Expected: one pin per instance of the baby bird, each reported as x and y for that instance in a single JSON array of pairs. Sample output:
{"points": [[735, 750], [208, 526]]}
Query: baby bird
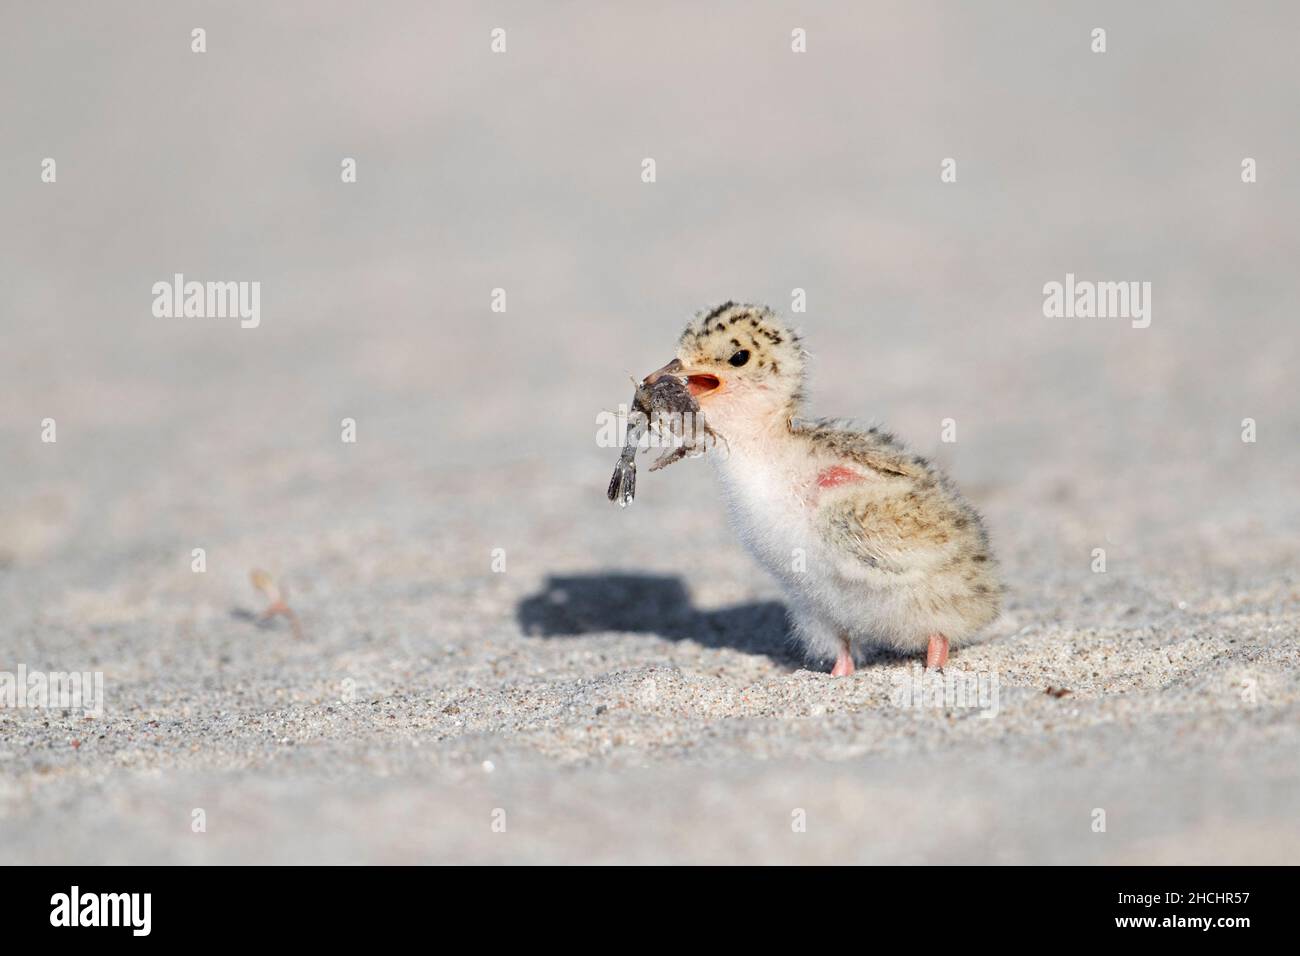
{"points": [[872, 544]]}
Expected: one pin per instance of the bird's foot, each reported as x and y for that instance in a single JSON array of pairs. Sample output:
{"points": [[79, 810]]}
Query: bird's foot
{"points": [[936, 655], [843, 664]]}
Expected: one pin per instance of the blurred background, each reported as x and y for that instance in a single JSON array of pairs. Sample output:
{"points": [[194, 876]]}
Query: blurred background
{"points": [[476, 430]]}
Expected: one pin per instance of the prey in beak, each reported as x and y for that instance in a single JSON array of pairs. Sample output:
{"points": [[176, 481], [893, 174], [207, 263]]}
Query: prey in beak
{"points": [[665, 404], [698, 383]]}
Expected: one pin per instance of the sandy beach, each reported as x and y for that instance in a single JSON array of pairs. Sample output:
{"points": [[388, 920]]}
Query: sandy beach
{"points": [[496, 664]]}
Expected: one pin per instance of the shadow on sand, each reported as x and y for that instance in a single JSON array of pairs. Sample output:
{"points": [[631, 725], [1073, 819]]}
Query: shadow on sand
{"points": [[573, 605]]}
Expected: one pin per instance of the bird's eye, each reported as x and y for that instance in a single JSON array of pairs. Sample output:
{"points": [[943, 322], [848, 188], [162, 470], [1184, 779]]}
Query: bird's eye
{"points": [[739, 359]]}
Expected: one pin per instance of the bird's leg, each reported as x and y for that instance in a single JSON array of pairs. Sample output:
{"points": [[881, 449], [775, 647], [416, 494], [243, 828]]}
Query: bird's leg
{"points": [[936, 655], [844, 663]]}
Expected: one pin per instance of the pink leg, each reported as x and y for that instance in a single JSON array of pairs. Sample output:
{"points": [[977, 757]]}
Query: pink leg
{"points": [[843, 664], [936, 655]]}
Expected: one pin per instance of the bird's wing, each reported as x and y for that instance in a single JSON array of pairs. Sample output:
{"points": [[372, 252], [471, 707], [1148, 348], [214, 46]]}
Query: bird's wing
{"points": [[903, 527], [870, 448], [908, 520]]}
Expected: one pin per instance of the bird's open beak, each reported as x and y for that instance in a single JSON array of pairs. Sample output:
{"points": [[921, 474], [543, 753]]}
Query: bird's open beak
{"points": [[699, 383]]}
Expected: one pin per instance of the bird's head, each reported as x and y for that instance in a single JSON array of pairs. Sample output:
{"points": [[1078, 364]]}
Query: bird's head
{"points": [[743, 365]]}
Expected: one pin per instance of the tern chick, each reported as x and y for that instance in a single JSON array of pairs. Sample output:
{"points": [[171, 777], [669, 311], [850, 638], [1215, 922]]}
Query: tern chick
{"points": [[872, 544]]}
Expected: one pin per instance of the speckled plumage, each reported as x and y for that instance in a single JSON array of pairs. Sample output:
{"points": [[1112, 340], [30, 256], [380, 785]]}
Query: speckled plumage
{"points": [[873, 545]]}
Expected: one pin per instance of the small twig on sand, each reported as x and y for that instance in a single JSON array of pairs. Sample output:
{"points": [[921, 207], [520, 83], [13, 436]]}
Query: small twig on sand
{"points": [[276, 595]]}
